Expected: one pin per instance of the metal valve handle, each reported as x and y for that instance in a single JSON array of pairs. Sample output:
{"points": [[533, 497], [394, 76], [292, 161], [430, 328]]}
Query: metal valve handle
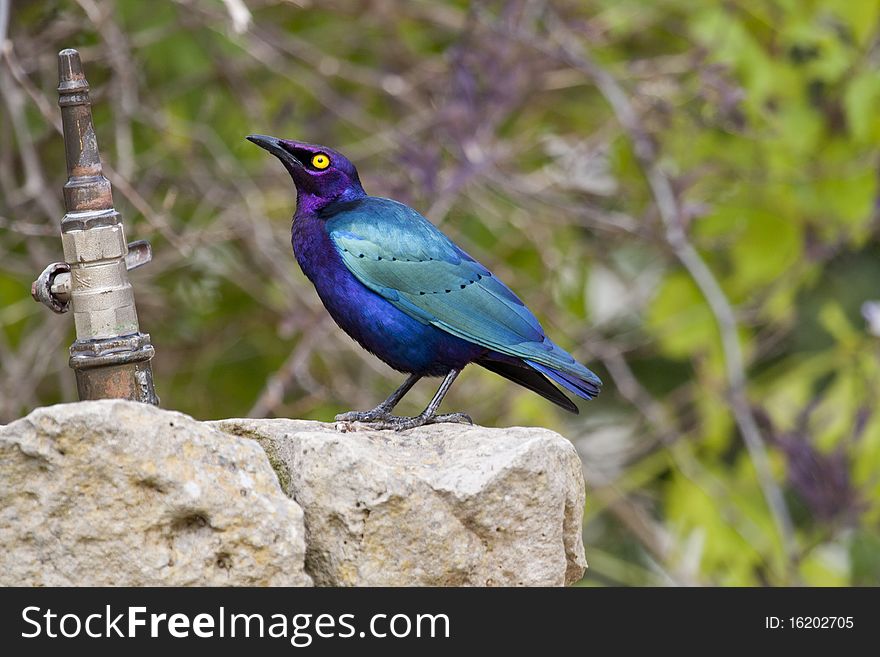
{"points": [[52, 287]]}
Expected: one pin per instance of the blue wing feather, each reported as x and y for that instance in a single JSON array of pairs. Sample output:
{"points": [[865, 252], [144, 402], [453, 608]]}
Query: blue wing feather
{"points": [[397, 253]]}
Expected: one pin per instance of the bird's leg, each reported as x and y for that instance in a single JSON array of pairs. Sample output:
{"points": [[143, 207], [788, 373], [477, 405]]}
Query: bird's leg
{"points": [[428, 416], [383, 410]]}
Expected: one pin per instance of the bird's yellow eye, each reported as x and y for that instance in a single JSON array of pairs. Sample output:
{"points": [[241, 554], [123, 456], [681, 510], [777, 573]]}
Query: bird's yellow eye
{"points": [[320, 161]]}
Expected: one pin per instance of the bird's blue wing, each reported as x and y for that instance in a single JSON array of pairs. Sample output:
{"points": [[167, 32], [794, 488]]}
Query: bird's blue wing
{"points": [[397, 253]]}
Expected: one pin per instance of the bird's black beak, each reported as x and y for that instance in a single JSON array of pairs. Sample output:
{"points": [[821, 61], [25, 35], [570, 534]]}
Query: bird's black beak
{"points": [[276, 147]]}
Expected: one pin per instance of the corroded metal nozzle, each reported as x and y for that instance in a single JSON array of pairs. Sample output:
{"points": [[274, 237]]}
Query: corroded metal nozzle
{"points": [[110, 356]]}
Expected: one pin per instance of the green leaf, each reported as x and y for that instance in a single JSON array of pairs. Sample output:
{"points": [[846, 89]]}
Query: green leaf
{"points": [[861, 101]]}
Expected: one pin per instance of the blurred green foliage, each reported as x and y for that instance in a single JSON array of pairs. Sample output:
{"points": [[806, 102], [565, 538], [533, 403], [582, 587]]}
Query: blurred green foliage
{"points": [[763, 115]]}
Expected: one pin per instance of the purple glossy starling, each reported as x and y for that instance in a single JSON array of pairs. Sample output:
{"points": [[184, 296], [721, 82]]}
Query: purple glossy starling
{"points": [[406, 293]]}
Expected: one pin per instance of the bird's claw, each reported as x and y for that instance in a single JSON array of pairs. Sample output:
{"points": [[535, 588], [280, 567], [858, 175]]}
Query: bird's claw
{"points": [[354, 420], [459, 418]]}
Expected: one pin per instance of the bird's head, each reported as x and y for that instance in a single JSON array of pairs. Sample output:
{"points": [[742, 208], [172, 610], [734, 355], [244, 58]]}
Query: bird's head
{"points": [[321, 175]]}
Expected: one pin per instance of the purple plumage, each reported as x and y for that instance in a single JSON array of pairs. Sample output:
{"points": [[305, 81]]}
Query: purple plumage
{"points": [[406, 344]]}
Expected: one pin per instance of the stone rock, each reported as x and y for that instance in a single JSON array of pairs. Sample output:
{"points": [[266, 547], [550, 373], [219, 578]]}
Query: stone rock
{"points": [[120, 493], [442, 505]]}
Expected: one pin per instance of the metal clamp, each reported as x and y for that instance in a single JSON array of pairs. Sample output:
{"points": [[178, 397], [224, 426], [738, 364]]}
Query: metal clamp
{"points": [[52, 287]]}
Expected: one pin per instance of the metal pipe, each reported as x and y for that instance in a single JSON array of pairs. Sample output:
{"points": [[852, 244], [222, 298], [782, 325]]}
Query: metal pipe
{"points": [[111, 357]]}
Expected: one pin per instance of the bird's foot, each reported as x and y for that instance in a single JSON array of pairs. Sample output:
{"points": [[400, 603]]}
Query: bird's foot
{"points": [[355, 421], [374, 415]]}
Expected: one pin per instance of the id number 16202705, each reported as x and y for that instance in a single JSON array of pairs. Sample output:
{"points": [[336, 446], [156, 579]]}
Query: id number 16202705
{"points": [[809, 622]]}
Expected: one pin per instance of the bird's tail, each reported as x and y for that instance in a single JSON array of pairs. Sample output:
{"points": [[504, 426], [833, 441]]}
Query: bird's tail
{"points": [[517, 371], [578, 380]]}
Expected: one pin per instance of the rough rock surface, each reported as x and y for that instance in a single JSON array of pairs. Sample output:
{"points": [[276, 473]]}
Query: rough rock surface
{"points": [[441, 505], [120, 493]]}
